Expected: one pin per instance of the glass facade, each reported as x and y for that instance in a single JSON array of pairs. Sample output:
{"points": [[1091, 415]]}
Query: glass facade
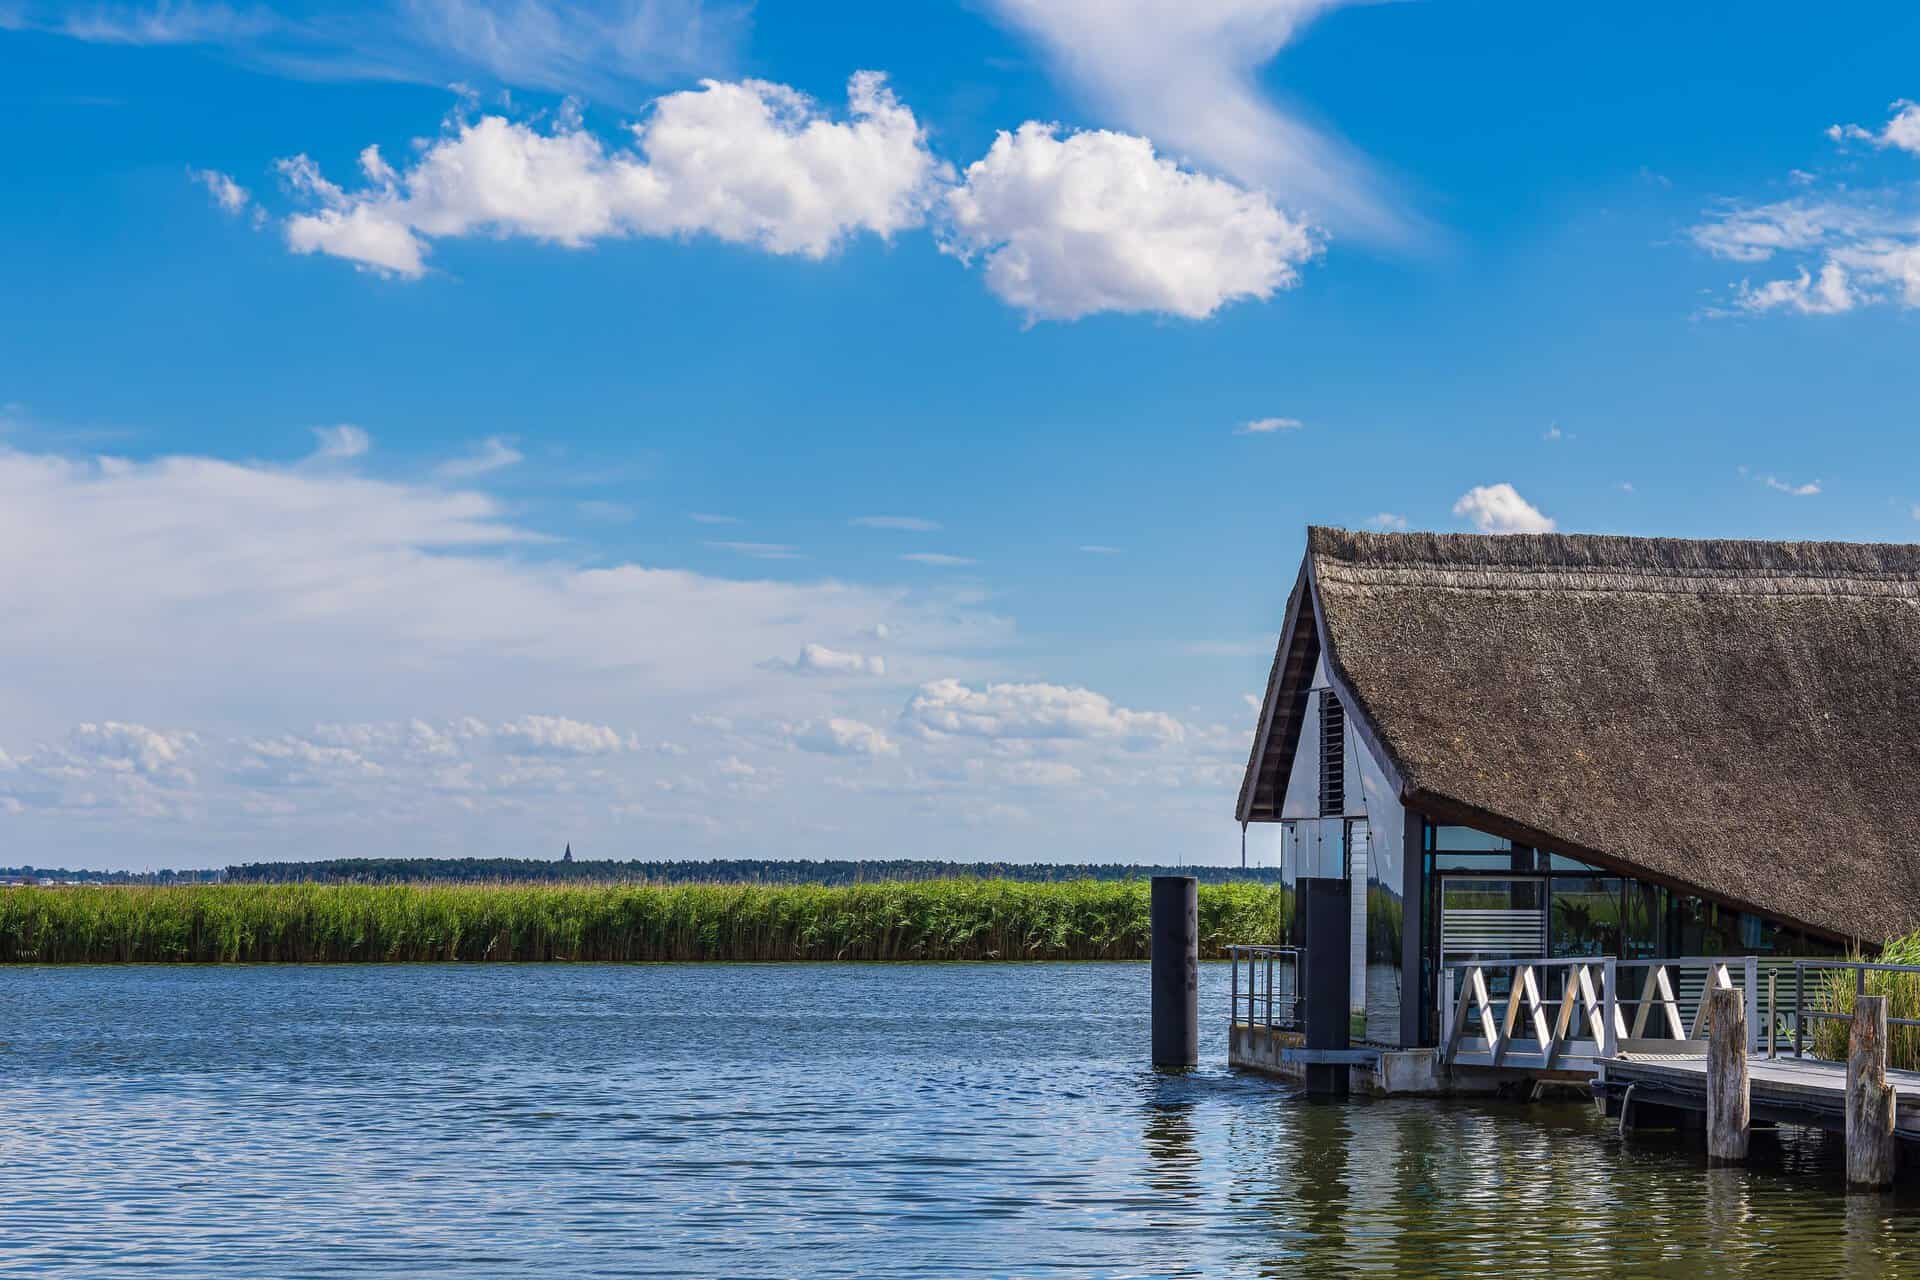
{"points": [[1481, 890]]}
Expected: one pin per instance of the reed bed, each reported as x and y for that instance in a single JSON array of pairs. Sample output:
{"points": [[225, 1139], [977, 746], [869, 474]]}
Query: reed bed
{"points": [[334, 923], [1902, 990]]}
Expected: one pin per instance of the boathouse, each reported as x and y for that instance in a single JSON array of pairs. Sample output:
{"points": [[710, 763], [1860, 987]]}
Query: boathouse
{"points": [[1572, 745]]}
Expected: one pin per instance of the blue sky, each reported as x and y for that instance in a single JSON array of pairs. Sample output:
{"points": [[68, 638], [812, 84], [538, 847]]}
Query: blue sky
{"points": [[675, 440]]}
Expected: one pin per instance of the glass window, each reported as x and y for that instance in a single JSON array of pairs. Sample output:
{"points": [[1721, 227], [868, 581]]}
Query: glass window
{"points": [[1465, 838], [1585, 917], [1560, 862]]}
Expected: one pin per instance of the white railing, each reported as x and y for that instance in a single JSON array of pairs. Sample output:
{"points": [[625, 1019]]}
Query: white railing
{"points": [[1573, 1014]]}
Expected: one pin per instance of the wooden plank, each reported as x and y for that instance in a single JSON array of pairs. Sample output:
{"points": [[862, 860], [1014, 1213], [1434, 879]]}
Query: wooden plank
{"points": [[1533, 999], [1669, 1002], [1477, 986], [1513, 1015], [1459, 1026]]}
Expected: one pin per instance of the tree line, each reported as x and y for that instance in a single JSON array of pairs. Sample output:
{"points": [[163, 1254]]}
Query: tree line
{"points": [[714, 871]]}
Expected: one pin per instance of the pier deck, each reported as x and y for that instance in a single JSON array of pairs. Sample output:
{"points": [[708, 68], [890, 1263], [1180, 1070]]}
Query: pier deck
{"points": [[1803, 1091]]}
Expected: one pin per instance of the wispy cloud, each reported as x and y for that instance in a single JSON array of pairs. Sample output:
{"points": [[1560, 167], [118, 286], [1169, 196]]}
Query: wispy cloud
{"points": [[938, 558], [1387, 520], [492, 454], [1268, 426], [909, 524], [758, 550], [340, 443], [1099, 549], [1188, 76], [708, 517], [1778, 485], [604, 49]]}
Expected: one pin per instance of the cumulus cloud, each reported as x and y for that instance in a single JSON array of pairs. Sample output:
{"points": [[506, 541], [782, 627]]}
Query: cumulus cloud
{"points": [[1188, 75], [838, 737], [1499, 508], [560, 736], [818, 660], [1268, 426], [1070, 226], [1387, 520], [1032, 711], [749, 163], [1901, 132]]}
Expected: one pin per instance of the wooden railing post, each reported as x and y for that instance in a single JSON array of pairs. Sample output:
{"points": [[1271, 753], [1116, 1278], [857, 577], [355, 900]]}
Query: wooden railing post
{"points": [[1609, 1008], [1871, 1149], [1729, 1104], [1447, 1019]]}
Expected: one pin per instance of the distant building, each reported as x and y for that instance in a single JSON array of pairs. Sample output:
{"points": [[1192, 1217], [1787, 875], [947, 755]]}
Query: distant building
{"points": [[1541, 745]]}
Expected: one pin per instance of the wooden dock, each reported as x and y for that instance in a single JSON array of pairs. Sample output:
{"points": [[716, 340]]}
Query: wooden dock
{"points": [[1800, 1091]]}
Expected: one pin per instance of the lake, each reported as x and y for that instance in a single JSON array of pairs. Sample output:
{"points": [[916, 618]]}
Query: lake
{"points": [[783, 1120]]}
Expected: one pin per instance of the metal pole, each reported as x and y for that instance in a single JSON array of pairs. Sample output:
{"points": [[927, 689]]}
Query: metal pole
{"points": [[1233, 992], [1174, 912]]}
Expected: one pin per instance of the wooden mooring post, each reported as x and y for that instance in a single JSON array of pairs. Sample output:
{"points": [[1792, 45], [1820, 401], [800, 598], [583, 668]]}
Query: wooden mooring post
{"points": [[1871, 1149], [1729, 1097]]}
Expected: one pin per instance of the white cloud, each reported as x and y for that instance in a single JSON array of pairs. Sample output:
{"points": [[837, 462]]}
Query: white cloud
{"points": [[758, 550], [908, 524], [1267, 426], [559, 735], [838, 737], [1017, 711], [938, 558], [602, 48], [750, 163], [340, 443], [1830, 295], [1553, 432], [1806, 490], [229, 195], [1901, 132], [492, 454], [1847, 245], [1188, 75], [707, 517], [1099, 549], [1092, 222], [818, 660], [1387, 520], [1499, 508]]}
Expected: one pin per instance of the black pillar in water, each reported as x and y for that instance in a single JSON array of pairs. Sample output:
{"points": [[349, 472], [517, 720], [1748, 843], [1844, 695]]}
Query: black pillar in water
{"points": [[1174, 921], [1325, 926]]}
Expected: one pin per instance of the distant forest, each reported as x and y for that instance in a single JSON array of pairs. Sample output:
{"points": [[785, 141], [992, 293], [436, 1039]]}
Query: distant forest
{"points": [[719, 871]]}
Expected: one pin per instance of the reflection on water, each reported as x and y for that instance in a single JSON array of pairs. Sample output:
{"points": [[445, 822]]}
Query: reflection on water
{"points": [[808, 1120]]}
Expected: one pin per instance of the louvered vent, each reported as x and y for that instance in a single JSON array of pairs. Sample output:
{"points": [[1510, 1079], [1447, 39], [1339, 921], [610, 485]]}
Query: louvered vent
{"points": [[1333, 755]]}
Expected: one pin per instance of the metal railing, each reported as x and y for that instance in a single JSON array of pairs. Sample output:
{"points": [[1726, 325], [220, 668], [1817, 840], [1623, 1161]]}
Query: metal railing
{"points": [[1266, 986], [1860, 968], [1568, 1014]]}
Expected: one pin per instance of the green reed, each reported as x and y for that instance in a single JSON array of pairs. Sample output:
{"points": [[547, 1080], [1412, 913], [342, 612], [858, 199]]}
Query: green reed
{"points": [[921, 920], [1832, 990]]}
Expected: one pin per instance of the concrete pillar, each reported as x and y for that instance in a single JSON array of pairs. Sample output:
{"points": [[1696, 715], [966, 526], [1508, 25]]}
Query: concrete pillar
{"points": [[1174, 940], [1729, 1101], [1871, 1149]]}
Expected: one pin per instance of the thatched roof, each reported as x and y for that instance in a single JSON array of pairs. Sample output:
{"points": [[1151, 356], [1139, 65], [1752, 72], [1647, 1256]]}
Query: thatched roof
{"points": [[1742, 718]]}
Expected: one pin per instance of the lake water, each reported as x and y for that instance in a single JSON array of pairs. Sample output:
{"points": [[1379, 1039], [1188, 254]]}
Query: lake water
{"points": [[887, 1120]]}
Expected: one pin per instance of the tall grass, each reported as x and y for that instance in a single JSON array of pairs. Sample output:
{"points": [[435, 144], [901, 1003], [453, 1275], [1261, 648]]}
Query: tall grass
{"points": [[1902, 990], [925, 920]]}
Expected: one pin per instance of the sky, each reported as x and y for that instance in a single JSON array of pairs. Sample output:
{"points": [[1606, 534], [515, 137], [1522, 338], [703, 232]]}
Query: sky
{"points": [[686, 428]]}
